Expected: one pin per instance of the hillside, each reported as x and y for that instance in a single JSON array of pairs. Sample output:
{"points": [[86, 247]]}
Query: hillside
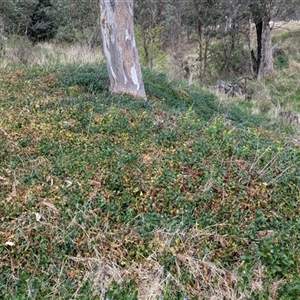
{"points": [[183, 196], [177, 196]]}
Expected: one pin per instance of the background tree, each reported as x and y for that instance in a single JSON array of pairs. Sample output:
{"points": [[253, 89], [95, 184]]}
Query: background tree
{"points": [[148, 26], [172, 23], [208, 14], [261, 15], [120, 49], [235, 41], [16, 15], [41, 26], [168, 32], [264, 11], [77, 21]]}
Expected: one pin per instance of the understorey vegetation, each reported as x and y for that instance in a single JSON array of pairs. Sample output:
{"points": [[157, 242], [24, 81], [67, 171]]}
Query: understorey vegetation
{"points": [[193, 193], [103, 196]]}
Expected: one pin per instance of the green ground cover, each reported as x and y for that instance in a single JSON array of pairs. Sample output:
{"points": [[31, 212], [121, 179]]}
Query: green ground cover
{"points": [[104, 196]]}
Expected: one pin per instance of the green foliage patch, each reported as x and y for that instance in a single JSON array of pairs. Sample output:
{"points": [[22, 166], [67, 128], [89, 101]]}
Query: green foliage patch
{"points": [[93, 181]]}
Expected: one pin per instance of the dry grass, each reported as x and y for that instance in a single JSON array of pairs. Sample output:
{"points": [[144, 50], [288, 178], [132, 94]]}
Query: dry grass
{"points": [[280, 27], [211, 280], [20, 51]]}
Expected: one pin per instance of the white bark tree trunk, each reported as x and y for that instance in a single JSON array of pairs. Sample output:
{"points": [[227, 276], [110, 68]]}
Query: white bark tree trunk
{"points": [[266, 67], [119, 47]]}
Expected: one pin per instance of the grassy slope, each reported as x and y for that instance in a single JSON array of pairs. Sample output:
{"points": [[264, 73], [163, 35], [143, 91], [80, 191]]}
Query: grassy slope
{"points": [[105, 196]]}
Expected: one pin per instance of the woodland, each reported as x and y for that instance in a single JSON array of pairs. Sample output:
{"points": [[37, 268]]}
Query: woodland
{"points": [[191, 191], [227, 36]]}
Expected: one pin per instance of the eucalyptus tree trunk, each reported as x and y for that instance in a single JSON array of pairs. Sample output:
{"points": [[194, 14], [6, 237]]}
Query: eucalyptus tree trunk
{"points": [[119, 47], [266, 65]]}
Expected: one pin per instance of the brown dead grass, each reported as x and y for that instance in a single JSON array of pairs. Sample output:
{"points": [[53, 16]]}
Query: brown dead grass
{"points": [[45, 54], [212, 281]]}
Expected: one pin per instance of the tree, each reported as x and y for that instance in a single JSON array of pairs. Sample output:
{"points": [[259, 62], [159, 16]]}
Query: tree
{"points": [[263, 11], [120, 49], [15, 15], [148, 25], [205, 16], [261, 14], [41, 27], [77, 21]]}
